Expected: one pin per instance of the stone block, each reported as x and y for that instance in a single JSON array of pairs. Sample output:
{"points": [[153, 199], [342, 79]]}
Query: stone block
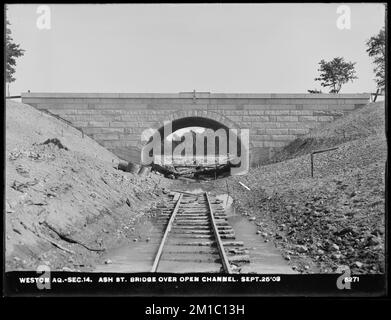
{"points": [[260, 137], [87, 111], [346, 102], [316, 102], [235, 118], [238, 112], [259, 124], [106, 136], [301, 112], [258, 144], [99, 123], [277, 112], [343, 106], [325, 118], [269, 106], [118, 106], [244, 124], [256, 112], [118, 143], [334, 113], [287, 118], [253, 131], [277, 131], [318, 107], [308, 118], [291, 124], [298, 131], [92, 117], [66, 111], [226, 112], [123, 124], [270, 125], [103, 130], [261, 118], [283, 137], [275, 144], [248, 118], [80, 123], [146, 124], [249, 107], [129, 137], [309, 125]]}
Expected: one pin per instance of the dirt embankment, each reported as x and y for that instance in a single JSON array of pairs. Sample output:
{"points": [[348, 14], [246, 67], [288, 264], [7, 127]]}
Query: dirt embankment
{"points": [[360, 124], [335, 218], [65, 201]]}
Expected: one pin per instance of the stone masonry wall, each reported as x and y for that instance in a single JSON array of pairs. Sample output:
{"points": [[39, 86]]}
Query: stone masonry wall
{"points": [[116, 121]]}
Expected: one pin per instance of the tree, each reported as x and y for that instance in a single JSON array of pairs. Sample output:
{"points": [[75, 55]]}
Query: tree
{"points": [[335, 73], [12, 52], [376, 49], [315, 91]]}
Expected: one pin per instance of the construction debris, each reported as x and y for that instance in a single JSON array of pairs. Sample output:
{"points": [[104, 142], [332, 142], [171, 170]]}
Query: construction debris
{"points": [[197, 171], [56, 142]]}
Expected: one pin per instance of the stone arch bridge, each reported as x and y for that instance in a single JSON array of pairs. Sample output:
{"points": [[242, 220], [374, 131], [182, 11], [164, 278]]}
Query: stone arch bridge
{"points": [[116, 120]]}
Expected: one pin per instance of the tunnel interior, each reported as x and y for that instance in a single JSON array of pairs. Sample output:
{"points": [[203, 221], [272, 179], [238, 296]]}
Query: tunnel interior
{"points": [[200, 123]]}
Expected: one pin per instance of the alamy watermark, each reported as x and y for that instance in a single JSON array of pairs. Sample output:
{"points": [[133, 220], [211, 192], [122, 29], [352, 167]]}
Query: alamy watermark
{"points": [[44, 280], [344, 18], [44, 21], [344, 280], [158, 147]]}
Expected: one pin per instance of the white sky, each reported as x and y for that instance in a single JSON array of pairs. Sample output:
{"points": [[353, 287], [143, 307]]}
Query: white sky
{"points": [[180, 132], [260, 48]]}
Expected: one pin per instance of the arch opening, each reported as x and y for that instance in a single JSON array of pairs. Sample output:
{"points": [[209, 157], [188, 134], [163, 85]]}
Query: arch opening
{"points": [[195, 147]]}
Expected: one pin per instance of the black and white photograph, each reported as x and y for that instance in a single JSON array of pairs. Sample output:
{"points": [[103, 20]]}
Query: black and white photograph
{"points": [[182, 149]]}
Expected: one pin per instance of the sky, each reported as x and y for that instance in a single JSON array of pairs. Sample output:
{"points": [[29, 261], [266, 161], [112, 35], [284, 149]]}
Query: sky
{"points": [[170, 48]]}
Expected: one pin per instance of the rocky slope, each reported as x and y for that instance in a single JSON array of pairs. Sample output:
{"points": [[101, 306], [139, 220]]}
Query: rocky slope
{"points": [[65, 201], [336, 218]]}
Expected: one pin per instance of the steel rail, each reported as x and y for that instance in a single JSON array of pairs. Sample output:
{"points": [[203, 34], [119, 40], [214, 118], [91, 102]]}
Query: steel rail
{"points": [[220, 247], [168, 228]]}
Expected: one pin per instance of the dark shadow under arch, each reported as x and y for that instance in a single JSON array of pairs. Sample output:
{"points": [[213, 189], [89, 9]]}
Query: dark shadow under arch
{"points": [[186, 122]]}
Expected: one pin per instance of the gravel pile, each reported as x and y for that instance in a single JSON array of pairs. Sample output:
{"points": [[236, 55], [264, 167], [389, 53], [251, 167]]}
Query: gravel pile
{"points": [[334, 219]]}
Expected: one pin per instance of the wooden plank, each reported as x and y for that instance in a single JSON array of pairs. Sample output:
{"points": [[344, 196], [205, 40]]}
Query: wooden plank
{"points": [[244, 186], [188, 193], [220, 247], [169, 226], [176, 196], [324, 150]]}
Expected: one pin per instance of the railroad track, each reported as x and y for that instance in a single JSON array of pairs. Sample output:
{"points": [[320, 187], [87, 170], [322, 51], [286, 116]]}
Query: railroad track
{"points": [[197, 237]]}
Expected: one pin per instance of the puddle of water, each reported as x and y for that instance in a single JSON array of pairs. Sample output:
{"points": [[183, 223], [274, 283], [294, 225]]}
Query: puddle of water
{"points": [[195, 190], [135, 256], [264, 256], [227, 203]]}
